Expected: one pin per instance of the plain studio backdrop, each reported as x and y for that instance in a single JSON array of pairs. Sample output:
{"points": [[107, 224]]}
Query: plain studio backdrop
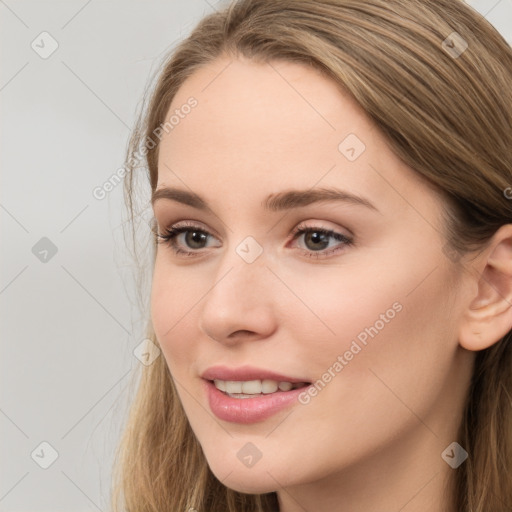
{"points": [[73, 74]]}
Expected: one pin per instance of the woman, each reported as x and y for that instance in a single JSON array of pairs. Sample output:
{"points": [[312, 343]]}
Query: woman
{"points": [[332, 279]]}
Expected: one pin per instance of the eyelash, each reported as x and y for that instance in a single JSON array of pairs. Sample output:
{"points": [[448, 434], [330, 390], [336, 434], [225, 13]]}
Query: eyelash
{"points": [[171, 233]]}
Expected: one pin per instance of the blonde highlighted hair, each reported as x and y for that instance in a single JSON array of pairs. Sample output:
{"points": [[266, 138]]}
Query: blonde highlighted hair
{"points": [[448, 116]]}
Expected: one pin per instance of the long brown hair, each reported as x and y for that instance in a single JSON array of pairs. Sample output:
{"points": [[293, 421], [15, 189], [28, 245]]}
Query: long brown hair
{"points": [[446, 111]]}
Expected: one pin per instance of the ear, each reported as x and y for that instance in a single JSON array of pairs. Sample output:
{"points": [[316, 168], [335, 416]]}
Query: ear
{"points": [[489, 315]]}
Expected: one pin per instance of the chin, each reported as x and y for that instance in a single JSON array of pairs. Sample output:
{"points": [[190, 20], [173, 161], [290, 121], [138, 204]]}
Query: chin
{"points": [[246, 480], [250, 485]]}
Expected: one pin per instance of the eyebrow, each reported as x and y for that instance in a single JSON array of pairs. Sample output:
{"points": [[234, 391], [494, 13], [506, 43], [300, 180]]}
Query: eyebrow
{"points": [[285, 200]]}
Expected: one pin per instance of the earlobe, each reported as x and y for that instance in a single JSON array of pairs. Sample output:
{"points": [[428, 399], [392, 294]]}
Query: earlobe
{"points": [[488, 316]]}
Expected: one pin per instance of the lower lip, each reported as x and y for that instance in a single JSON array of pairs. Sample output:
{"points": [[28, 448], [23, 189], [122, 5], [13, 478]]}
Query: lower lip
{"points": [[249, 410]]}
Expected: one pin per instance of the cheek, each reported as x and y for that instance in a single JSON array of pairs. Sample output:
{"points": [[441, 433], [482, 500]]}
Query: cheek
{"points": [[333, 308], [393, 334], [172, 312]]}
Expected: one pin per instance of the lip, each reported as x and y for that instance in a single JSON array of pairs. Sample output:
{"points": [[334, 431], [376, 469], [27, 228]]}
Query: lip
{"points": [[247, 373], [249, 410]]}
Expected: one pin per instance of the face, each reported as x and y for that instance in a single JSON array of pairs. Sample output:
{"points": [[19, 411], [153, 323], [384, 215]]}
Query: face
{"points": [[352, 295]]}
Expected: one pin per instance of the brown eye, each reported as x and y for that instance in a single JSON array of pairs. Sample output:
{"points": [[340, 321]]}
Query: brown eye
{"points": [[195, 238], [317, 239]]}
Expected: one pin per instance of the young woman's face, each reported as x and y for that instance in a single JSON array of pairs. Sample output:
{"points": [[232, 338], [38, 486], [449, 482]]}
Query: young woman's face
{"points": [[367, 314]]}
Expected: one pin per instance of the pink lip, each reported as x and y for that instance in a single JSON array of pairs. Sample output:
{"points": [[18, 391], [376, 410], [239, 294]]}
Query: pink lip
{"points": [[249, 410], [246, 373]]}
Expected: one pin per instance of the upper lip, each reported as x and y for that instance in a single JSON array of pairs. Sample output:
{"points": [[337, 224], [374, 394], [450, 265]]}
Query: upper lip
{"points": [[245, 373]]}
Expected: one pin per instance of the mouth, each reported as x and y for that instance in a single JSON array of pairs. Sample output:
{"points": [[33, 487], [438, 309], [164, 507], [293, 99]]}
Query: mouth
{"points": [[255, 388], [248, 394], [251, 401]]}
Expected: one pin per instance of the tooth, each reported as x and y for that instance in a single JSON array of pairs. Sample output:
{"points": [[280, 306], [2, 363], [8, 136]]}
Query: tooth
{"points": [[251, 387], [254, 387], [220, 384], [268, 386], [233, 386]]}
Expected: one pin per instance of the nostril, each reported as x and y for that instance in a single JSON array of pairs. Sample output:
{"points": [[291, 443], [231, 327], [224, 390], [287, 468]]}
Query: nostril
{"points": [[242, 333]]}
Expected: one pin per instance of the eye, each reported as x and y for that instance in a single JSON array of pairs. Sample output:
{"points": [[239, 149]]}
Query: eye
{"points": [[317, 239], [194, 237]]}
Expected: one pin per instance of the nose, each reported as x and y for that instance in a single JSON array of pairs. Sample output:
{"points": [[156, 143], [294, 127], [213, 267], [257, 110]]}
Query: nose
{"points": [[240, 303]]}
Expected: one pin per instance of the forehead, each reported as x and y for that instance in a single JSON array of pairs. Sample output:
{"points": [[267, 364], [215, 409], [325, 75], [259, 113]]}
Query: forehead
{"points": [[260, 127], [272, 108]]}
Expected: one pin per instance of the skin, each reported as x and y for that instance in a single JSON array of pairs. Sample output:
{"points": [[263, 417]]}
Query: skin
{"points": [[372, 438]]}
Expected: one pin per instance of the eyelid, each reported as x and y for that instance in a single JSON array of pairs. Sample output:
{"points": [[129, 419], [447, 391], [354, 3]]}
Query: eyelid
{"points": [[320, 225], [315, 224], [192, 224]]}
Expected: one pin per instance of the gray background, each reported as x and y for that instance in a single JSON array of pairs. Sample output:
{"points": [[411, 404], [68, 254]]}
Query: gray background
{"points": [[70, 322]]}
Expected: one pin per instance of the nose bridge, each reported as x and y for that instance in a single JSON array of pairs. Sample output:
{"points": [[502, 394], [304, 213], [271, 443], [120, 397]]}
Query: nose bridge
{"points": [[241, 276], [243, 265], [239, 298]]}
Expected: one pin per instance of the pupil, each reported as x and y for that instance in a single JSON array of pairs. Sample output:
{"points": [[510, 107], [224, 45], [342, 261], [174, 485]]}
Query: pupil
{"points": [[195, 237], [317, 237]]}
